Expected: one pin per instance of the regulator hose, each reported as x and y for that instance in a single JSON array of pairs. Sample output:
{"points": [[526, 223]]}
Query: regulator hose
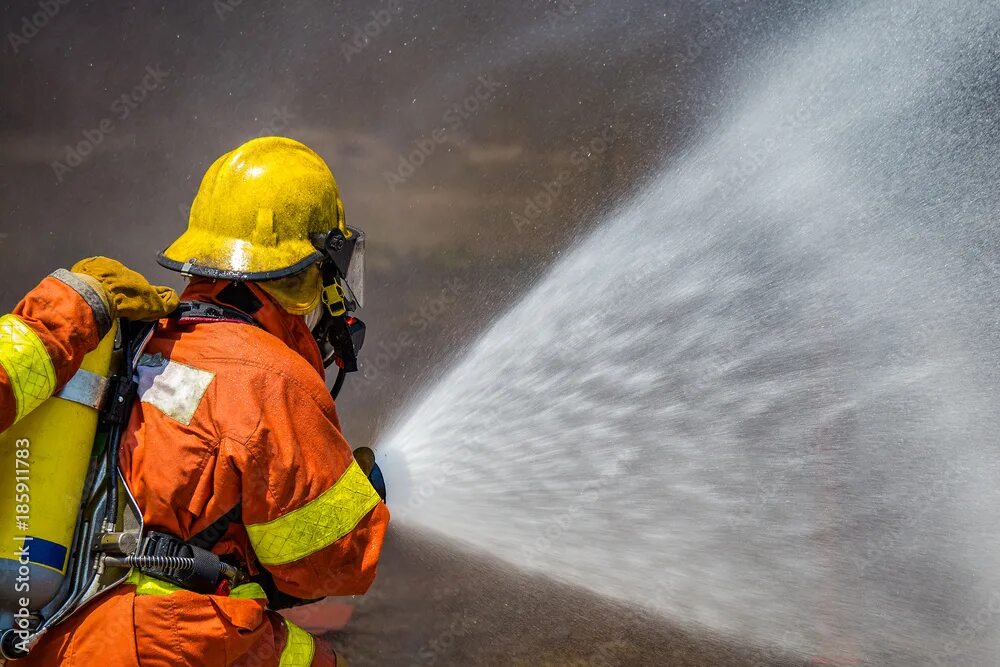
{"points": [[181, 563], [184, 563]]}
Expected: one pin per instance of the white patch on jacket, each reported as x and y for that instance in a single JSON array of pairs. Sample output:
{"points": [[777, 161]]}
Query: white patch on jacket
{"points": [[175, 389]]}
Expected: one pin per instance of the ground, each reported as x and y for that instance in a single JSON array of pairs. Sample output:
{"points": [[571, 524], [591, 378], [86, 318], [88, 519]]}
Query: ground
{"points": [[436, 605]]}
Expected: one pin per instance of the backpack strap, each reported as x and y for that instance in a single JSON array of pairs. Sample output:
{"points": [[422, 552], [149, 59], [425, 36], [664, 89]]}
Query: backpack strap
{"points": [[211, 535], [197, 312]]}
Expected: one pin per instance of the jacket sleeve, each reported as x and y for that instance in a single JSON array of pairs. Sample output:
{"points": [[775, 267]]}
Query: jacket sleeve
{"points": [[312, 517], [44, 339]]}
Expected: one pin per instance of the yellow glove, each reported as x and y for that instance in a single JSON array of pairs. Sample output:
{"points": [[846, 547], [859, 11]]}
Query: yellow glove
{"points": [[129, 293]]}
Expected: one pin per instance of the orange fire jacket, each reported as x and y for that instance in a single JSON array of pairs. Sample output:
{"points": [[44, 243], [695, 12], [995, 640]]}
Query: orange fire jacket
{"points": [[43, 341], [227, 414]]}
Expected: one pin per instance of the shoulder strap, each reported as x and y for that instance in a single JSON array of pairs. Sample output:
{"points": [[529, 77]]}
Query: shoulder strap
{"points": [[211, 535], [196, 312]]}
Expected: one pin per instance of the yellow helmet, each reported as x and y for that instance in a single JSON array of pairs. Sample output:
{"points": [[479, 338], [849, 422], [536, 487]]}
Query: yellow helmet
{"points": [[257, 217]]}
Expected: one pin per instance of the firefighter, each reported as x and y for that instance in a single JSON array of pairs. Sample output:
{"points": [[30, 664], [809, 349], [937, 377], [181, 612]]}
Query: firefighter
{"points": [[234, 444]]}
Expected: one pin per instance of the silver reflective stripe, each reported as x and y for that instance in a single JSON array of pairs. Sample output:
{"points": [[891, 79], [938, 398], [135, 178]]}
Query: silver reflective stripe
{"points": [[86, 388], [94, 300]]}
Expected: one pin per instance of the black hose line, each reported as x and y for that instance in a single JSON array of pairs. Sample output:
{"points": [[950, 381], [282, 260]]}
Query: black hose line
{"points": [[159, 562], [338, 383]]}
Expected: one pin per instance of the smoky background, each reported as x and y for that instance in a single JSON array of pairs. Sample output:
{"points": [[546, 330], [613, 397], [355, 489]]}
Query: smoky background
{"points": [[472, 141]]}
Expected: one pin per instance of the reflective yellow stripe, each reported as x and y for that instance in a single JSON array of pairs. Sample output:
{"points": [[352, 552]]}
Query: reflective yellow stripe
{"points": [[316, 524], [300, 647], [248, 592], [147, 585], [27, 362]]}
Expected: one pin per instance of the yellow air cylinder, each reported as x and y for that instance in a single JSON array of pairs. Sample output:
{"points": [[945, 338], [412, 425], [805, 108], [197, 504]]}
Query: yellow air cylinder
{"points": [[44, 460]]}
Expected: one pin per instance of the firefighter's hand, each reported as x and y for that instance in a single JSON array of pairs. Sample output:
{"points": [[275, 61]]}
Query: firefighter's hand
{"points": [[366, 461], [129, 293]]}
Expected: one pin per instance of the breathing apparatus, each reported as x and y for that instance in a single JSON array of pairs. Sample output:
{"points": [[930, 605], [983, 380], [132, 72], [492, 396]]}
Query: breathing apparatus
{"points": [[339, 334], [89, 524]]}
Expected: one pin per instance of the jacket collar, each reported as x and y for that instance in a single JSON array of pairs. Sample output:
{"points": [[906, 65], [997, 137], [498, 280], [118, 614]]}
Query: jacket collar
{"points": [[290, 329]]}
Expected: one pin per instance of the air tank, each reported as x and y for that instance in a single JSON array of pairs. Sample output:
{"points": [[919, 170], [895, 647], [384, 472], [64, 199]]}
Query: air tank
{"points": [[44, 459]]}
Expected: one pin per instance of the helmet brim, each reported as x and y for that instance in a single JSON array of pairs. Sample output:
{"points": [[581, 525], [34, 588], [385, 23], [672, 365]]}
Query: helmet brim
{"points": [[192, 267]]}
